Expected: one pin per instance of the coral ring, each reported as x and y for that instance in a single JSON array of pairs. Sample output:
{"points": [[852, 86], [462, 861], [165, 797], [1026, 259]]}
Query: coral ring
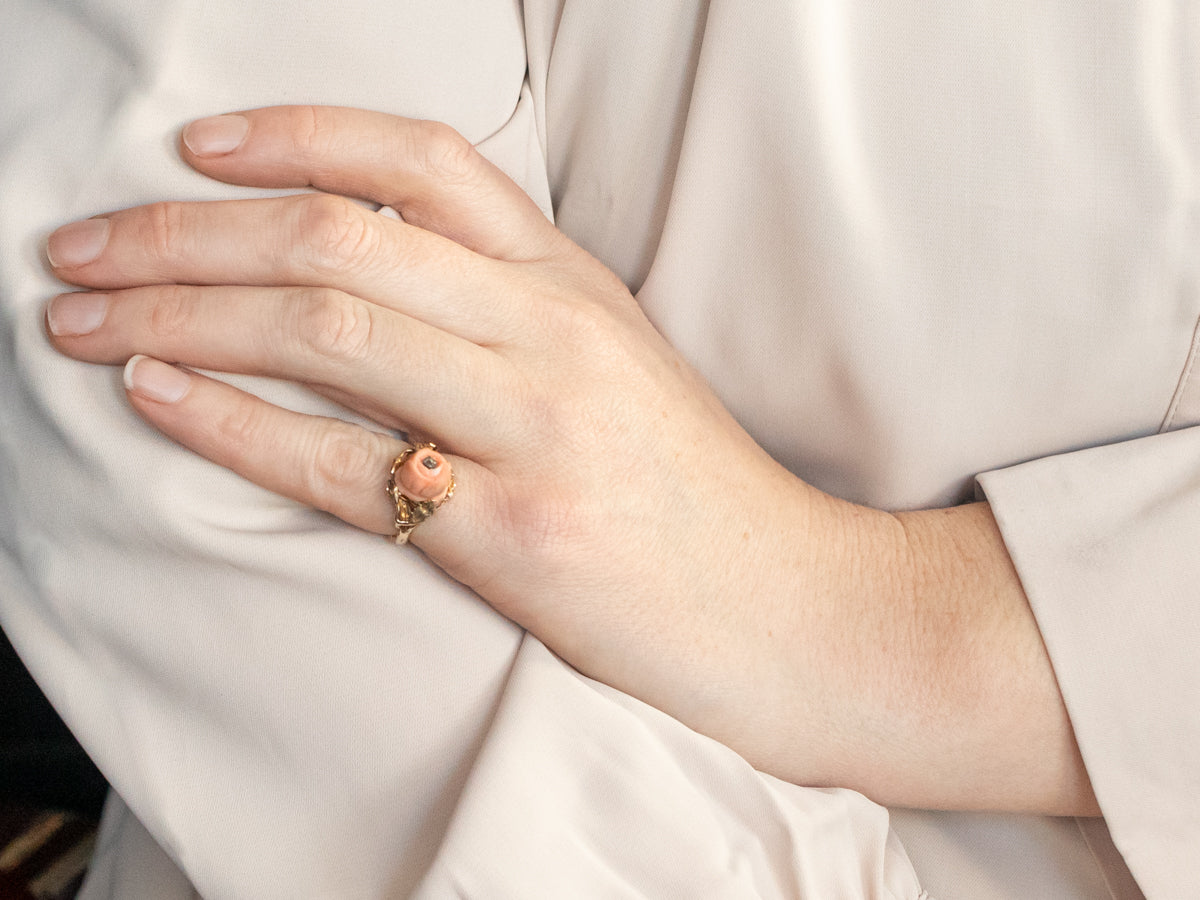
{"points": [[423, 466]]}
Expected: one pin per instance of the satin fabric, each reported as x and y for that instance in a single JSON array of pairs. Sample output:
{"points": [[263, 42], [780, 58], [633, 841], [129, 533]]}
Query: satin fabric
{"points": [[916, 252], [930, 253]]}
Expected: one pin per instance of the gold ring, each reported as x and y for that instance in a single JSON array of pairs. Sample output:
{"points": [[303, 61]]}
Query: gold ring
{"points": [[411, 512]]}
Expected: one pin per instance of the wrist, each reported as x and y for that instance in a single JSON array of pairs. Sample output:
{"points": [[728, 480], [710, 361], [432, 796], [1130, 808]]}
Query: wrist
{"points": [[947, 697]]}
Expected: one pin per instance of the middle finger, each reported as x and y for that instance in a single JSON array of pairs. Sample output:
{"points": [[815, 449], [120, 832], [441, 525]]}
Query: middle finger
{"points": [[318, 240]]}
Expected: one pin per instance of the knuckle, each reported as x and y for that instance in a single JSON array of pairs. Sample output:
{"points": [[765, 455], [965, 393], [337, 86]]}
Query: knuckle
{"points": [[172, 315], [335, 234], [341, 463], [545, 529], [335, 326], [441, 152], [164, 227], [240, 429], [311, 129], [578, 326]]}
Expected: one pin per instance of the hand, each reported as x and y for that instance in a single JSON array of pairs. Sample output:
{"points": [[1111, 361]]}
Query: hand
{"points": [[605, 499], [602, 488]]}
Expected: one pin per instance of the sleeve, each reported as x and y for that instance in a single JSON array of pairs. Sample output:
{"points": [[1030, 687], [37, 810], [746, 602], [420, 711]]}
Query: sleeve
{"points": [[1105, 541]]}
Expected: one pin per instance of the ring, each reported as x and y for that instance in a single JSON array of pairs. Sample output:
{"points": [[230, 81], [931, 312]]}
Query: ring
{"points": [[411, 512]]}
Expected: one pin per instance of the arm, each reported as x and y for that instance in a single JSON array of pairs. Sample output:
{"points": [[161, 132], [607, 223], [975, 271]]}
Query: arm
{"points": [[827, 642]]}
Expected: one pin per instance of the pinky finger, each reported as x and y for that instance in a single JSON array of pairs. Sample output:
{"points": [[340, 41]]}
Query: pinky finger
{"points": [[324, 463]]}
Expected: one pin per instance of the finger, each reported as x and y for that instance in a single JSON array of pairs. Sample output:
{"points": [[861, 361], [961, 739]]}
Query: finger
{"points": [[311, 239], [398, 371], [323, 463], [427, 171]]}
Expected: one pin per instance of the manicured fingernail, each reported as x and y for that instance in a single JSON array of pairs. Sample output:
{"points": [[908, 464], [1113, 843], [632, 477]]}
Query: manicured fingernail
{"points": [[217, 135], [76, 314], [77, 244], [156, 380]]}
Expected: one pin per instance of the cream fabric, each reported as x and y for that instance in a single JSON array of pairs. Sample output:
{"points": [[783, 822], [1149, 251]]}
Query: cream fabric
{"points": [[906, 246]]}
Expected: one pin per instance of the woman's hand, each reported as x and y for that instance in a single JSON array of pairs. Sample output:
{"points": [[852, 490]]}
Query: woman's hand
{"points": [[605, 499]]}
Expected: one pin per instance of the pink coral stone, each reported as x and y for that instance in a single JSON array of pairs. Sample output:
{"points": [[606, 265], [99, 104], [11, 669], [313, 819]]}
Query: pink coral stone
{"points": [[425, 475]]}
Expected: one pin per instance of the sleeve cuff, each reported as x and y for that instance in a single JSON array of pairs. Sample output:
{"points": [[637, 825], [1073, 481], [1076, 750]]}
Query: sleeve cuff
{"points": [[1107, 545]]}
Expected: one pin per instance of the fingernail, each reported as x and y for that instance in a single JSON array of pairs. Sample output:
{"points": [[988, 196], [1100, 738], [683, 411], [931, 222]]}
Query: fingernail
{"points": [[155, 380], [76, 314], [217, 135], [77, 244]]}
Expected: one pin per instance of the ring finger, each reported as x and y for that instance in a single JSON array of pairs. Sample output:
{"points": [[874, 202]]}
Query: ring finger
{"points": [[396, 370]]}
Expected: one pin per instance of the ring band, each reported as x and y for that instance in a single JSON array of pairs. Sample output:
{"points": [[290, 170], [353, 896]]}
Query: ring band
{"points": [[411, 512]]}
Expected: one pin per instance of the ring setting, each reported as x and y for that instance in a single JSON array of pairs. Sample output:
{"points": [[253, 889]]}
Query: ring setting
{"points": [[411, 512]]}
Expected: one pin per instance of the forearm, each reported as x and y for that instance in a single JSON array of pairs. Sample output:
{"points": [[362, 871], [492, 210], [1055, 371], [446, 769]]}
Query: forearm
{"points": [[903, 660], [998, 733]]}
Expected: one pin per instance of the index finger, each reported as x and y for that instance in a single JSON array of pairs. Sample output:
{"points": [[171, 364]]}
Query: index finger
{"points": [[427, 171]]}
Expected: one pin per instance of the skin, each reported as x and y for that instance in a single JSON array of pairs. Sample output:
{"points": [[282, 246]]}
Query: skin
{"points": [[829, 643]]}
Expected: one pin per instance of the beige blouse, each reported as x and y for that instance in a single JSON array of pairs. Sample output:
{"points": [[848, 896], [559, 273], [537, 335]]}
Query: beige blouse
{"points": [[920, 250]]}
